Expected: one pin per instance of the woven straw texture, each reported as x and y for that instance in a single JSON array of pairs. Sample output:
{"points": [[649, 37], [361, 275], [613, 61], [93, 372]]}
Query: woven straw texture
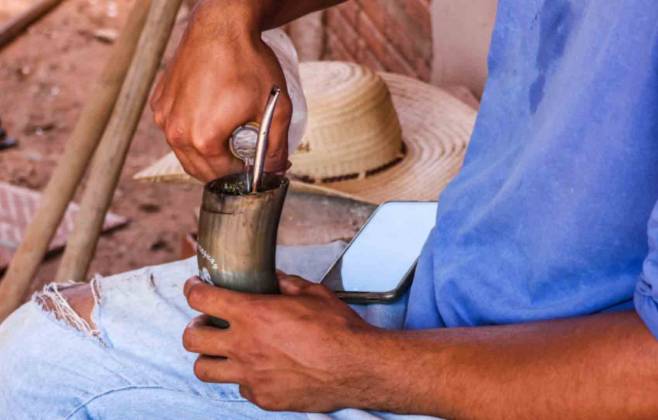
{"points": [[351, 131], [352, 124], [436, 128]]}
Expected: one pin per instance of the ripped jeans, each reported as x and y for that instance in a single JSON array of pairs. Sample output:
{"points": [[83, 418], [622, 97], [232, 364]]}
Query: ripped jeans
{"points": [[131, 363]]}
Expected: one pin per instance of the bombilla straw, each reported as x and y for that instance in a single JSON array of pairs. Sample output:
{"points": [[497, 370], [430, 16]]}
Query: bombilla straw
{"points": [[263, 138]]}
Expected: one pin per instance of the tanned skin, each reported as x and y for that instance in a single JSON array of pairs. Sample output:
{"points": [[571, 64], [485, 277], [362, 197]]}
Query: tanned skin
{"points": [[307, 351], [220, 78]]}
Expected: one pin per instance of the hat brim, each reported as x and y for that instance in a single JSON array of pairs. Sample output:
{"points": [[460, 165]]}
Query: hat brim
{"points": [[436, 128]]}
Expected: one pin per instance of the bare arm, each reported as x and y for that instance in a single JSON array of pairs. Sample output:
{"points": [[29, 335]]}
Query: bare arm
{"points": [[259, 15], [307, 351], [601, 366], [277, 13]]}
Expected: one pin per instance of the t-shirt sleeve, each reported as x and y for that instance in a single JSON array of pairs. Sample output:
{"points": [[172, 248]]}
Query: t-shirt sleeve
{"points": [[646, 291]]}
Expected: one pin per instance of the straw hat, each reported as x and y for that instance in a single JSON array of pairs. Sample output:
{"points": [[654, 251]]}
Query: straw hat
{"points": [[377, 137]]}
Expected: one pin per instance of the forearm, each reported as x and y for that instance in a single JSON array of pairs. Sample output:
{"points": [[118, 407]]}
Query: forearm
{"points": [[602, 366], [279, 12], [258, 15]]}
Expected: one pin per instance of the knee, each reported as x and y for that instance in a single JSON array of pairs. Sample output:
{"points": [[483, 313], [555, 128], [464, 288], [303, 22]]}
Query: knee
{"points": [[72, 305]]}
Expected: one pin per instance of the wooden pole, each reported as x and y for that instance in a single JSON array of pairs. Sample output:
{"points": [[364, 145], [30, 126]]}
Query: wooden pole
{"points": [[72, 164], [111, 154], [18, 24]]}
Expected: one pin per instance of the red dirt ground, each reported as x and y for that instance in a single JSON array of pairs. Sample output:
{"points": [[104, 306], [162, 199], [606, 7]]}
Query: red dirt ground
{"points": [[45, 78]]}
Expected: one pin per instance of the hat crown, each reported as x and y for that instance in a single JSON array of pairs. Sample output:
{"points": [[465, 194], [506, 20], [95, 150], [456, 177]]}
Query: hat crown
{"points": [[353, 129]]}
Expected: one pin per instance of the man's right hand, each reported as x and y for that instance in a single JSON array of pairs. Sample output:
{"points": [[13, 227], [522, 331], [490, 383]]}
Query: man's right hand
{"points": [[219, 79]]}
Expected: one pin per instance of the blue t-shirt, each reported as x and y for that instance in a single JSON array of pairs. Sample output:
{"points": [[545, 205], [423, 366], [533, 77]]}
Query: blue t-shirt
{"points": [[548, 217]]}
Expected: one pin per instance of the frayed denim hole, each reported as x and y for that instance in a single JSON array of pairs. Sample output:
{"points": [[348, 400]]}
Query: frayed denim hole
{"points": [[51, 301], [97, 311]]}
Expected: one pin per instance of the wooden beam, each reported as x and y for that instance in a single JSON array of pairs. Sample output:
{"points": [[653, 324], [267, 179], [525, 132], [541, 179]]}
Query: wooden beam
{"points": [[111, 154], [15, 26], [72, 164]]}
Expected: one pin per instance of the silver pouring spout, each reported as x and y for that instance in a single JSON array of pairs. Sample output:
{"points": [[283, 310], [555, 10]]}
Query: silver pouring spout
{"points": [[263, 138]]}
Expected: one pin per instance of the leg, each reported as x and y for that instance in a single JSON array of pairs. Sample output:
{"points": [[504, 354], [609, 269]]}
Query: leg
{"points": [[111, 348], [122, 356]]}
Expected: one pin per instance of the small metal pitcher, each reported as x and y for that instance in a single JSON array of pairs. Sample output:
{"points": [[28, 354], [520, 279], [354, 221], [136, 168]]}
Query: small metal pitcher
{"points": [[237, 234]]}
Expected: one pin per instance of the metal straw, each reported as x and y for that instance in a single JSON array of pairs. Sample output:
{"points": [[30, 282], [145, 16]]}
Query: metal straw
{"points": [[263, 138]]}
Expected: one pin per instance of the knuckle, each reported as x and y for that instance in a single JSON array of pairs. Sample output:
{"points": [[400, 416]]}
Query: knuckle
{"points": [[175, 131], [319, 290], [300, 281], [323, 289], [206, 146]]}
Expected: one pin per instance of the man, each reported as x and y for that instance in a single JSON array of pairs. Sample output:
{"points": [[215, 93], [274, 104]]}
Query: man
{"points": [[539, 249]]}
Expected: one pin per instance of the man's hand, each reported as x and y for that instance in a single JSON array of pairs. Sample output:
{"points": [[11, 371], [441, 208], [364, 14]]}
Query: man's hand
{"points": [[219, 79], [307, 351], [304, 350]]}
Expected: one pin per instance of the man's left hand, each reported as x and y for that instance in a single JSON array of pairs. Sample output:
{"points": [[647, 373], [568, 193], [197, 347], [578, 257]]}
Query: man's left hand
{"points": [[303, 350]]}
